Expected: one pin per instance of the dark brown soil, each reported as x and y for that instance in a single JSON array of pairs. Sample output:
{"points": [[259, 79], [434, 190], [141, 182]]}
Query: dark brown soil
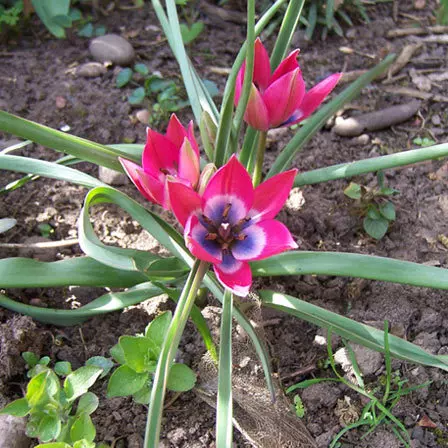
{"points": [[37, 69]]}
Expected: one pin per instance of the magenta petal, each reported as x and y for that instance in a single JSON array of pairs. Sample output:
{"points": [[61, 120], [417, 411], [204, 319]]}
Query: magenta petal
{"points": [[175, 131], [257, 114], [188, 163], [234, 275], [284, 96], [271, 195], [314, 98], [157, 189], [262, 66], [278, 238], [231, 181], [287, 65], [184, 201], [239, 83], [136, 173], [159, 153], [195, 239]]}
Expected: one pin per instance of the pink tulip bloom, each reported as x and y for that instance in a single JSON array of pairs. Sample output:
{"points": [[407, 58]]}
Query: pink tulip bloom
{"points": [[280, 99], [175, 154], [232, 223]]}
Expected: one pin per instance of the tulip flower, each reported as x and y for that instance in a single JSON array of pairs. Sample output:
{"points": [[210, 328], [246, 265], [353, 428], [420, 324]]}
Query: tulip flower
{"points": [[174, 154], [280, 99], [232, 223]]}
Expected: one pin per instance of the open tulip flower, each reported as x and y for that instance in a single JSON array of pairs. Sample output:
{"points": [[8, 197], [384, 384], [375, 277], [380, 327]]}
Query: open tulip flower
{"points": [[280, 99], [175, 154], [232, 223]]}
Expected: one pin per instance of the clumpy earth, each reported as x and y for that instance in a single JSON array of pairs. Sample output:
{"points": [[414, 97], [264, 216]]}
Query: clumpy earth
{"points": [[39, 82]]}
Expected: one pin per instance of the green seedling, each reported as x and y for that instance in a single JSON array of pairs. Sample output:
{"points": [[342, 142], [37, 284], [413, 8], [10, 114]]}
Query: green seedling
{"points": [[383, 397], [190, 33], [423, 142], [138, 356], [45, 229], [10, 16], [373, 205], [442, 13], [51, 397], [299, 407]]}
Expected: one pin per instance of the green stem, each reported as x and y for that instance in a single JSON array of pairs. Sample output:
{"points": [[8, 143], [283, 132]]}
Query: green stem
{"points": [[224, 425], [344, 170], [186, 301], [249, 142], [258, 169]]}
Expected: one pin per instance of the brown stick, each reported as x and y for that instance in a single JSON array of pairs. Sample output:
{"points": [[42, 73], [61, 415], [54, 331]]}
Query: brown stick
{"points": [[351, 127], [400, 32]]}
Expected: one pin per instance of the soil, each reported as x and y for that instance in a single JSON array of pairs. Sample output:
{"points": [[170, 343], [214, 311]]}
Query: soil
{"points": [[37, 71]]}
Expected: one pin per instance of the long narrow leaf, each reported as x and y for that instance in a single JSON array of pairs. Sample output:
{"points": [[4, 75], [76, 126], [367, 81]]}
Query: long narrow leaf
{"points": [[48, 169], [354, 331], [62, 142], [315, 122], [344, 170], [352, 265], [224, 407], [81, 271]]}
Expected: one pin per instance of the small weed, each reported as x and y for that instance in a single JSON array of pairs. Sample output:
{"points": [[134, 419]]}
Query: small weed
{"points": [[372, 204], [422, 142], [382, 397]]}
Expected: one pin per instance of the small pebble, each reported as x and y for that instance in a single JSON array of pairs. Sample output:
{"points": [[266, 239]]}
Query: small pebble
{"points": [[112, 177], [435, 119], [12, 432], [113, 48], [91, 70]]}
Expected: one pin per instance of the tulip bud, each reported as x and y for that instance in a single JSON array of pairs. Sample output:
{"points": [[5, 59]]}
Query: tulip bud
{"points": [[206, 175], [208, 133]]}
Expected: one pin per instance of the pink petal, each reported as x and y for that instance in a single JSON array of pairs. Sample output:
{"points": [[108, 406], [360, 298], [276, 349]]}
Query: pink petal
{"points": [[234, 275], [188, 163], [233, 184], [175, 131], [262, 67], [284, 96], [159, 154], [314, 98], [257, 114], [271, 195], [184, 201], [195, 239], [136, 174], [157, 189], [263, 240], [287, 65], [239, 83]]}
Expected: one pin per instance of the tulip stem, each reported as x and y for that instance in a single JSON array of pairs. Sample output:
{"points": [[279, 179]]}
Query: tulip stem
{"points": [[169, 348], [261, 147]]}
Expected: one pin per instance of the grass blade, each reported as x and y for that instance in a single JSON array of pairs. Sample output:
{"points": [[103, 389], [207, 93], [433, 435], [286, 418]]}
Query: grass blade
{"points": [[316, 121], [344, 170], [352, 265], [365, 335], [224, 408]]}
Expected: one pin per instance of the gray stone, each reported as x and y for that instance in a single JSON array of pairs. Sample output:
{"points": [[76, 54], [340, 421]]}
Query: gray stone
{"points": [[324, 439], [112, 177], [135, 441], [369, 361], [113, 48], [91, 70], [12, 432], [320, 395]]}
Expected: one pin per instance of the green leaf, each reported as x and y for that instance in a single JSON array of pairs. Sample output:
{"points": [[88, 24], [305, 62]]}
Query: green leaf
{"points": [[143, 395], [123, 77], [18, 408], [54, 445], [49, 11], [157, 329], [376, 228], [351, 265], [88, 404], [181, 378], [117, 354], [387, 209], [142, 69], [298, 405], [75, 14], [86, 30], [140, 352], [78, 382], [83, 428], [44, 361], [49, 428], [103, 363], [126, 381], [189, 34], [137, 96], [63, 368], [353, 191], [100, 30], [30, 358], [41, 388], [373, 212], [362, 334], [84, 444]]}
